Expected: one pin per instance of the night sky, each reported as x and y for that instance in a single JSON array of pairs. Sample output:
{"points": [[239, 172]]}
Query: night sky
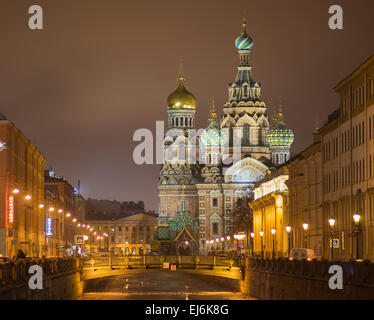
{"points": [[102, 69]]}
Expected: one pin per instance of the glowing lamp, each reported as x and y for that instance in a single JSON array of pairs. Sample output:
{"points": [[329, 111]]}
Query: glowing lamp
{"points": [[356, 218]]}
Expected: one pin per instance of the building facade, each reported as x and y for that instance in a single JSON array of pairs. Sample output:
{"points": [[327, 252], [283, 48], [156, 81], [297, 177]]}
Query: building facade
{"points": [[22, 223], [59, 210], [127, 228], [305, 198], [270, 209], [209, 171], [348, 176]]}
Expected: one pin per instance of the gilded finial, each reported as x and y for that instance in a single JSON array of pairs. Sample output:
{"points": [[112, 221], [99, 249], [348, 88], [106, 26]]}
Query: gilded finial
{"points": [[183, 188], [213, 115], [280, 110], [181, 76], [244, 25]]}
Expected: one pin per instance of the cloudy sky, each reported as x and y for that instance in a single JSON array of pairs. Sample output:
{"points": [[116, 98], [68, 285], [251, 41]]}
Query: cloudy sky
{"points": [[99, 70]]}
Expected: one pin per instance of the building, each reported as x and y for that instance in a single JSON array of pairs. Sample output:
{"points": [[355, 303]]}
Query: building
{"points": [[270, 209], [59, 208], [205, 176], [126, 226], [22, 221], [305, 198], [348, 176]]}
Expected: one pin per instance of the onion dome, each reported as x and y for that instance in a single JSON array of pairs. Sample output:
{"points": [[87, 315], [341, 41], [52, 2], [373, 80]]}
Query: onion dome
{"points": [[244, 41], [280, 135], [181, 99], [212, 136]]}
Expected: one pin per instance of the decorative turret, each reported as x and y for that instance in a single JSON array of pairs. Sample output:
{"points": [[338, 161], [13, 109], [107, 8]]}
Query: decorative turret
{"points": [[244, 88], [212, 136], [181, 106], [280, 138]]}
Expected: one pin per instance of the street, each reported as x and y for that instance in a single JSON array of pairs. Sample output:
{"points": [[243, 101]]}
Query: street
{"points": [[158, 285]]}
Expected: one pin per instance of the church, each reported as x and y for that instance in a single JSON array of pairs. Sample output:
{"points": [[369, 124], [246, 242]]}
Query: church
{"points": [[198, 190]]}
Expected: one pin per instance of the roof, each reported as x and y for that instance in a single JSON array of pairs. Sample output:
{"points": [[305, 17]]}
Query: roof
{"points": [[355, 73], [184, 230]]}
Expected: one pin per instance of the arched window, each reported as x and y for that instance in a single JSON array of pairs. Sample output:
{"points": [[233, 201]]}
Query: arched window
{"points": [[176, 122], [133, 252]]}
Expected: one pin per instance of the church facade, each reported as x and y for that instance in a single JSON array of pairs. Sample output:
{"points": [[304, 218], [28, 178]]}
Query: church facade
{"points": [[204, 175]]}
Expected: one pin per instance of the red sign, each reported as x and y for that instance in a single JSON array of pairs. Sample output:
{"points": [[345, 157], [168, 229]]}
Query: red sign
{"points": [[11, 209]]}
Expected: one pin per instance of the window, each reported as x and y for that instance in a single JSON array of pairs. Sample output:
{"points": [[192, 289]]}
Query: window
{"points": [[215, 227], [369, 128], [215, 202]]}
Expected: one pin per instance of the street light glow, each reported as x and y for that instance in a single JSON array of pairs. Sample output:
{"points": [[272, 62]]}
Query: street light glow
{"points": [[305, 226], [252, 234], [261, 233], [15, 191], [28, 197], [273, 231], [288, 229], [356, 218], [331, 222], [41, 205]]}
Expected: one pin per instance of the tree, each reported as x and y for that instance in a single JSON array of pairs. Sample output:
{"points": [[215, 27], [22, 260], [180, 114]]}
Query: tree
{"points": [[243, 218]]}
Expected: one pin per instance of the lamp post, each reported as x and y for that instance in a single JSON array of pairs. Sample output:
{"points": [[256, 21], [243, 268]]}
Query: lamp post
{"points": [[332, 223], [305, 227], [356, 218], [288, 229], [252, 242], [273, 233], [262, 247]]}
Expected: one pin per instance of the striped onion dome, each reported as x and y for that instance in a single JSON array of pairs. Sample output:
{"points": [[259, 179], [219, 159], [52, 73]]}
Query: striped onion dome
{"points": [[212, 136], [244, 41]]}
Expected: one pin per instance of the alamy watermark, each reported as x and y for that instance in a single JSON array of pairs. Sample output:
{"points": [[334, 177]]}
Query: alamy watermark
{"points": [[188, 148]]}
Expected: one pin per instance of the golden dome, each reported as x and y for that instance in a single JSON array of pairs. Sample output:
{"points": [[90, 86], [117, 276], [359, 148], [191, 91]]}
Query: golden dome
{"points": [[181, 99]]}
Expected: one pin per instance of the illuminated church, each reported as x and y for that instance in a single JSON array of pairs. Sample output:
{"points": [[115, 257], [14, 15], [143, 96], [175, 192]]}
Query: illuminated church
{"points": [[201, 179]]}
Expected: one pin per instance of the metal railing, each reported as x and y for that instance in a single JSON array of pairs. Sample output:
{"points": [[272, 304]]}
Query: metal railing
{"points": [[15, 272], [156, 261]]}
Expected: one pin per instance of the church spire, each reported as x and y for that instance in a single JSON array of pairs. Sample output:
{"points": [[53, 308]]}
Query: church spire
{"points": [[213, 114]]}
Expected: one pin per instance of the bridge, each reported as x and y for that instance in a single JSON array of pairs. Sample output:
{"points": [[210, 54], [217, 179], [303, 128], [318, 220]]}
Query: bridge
{"points": [[184, 277]]}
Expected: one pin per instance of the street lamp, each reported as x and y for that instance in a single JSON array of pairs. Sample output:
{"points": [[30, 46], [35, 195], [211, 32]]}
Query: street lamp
{"points": [[252, 243], [15, 191], [332, 223], [356, 218], [305, 227], [273, 231], [262, 247], [288, 229], [28, 197]]}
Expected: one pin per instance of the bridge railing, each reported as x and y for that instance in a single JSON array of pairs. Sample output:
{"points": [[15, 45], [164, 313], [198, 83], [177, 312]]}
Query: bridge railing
{"points": [[156, 261], [353, 272], [15, 272]]}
